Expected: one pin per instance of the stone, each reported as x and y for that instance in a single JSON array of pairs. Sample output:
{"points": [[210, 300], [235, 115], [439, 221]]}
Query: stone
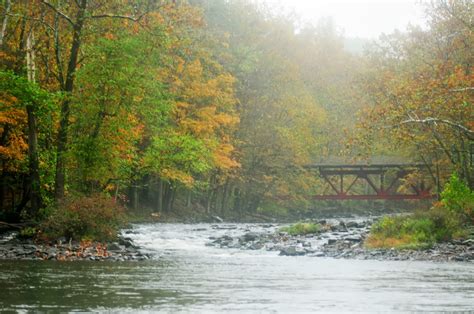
{"points": [[352, 224], [256, 246], [468, 242], [249, 236], [114, 246], [353, 238], [224, 227], [127, 242], [292, 251]]}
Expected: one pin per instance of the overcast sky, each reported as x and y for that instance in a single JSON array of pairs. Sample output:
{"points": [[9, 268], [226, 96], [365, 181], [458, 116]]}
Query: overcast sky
{"points": [[358, 18]]}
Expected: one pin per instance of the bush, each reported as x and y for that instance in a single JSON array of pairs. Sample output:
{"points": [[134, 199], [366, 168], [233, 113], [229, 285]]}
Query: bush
{"points": [[420, 230], [459, 198], [302, 228], [94, 217]]}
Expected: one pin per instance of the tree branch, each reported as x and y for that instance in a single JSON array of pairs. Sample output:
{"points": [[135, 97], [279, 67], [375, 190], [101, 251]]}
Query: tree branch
{"points": [[117, 16], [469, 133], [462, 89], [52, 7]]}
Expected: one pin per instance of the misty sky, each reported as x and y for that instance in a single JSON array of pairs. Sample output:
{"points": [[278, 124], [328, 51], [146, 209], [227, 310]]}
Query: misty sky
{"points": [[358, 18]]}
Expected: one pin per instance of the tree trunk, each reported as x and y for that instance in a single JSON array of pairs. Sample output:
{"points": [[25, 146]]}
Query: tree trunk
{"points": [[135, 196], [225, 193], [65, 109], [35, 184], [4, 22], [159, 206], [188, 198]]}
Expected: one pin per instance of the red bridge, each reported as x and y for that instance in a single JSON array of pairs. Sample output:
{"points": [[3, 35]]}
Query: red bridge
{"points": [[382, 182]]}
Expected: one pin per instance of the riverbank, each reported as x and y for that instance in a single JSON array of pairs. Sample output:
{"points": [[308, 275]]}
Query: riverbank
{"points": [[342, 240], [124, 249], [337, 239]]}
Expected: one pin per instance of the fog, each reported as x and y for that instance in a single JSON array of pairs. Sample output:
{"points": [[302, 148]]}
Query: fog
{"points": [[355, 18]]}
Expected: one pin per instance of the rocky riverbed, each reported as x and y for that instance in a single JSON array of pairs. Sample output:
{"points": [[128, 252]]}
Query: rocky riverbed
{"points": [[341, 240], [124, 249]]}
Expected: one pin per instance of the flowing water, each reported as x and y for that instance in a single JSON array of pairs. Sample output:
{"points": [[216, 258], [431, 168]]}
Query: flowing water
{"points": [[184, 275]]}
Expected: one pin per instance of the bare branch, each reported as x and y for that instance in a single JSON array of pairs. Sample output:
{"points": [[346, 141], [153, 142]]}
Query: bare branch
{"points": [[127, 17], [462, 89], [469, 133], [63, 15]]}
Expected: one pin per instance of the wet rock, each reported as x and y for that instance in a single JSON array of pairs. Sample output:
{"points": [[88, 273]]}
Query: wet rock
{"points": [[292, 251], [224, 227], [249, 236], [341, 227], [352, 224], [256, 246], [127, 242], [114, 246], [468, 242], [332, 241], [353, 238]]}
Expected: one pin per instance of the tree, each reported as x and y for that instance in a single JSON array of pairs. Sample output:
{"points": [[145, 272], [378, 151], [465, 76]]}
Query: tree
{"points": [[421, 85]]}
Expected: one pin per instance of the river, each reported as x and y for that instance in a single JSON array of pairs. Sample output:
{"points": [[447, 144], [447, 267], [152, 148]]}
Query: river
{"points": [[184, 275]]}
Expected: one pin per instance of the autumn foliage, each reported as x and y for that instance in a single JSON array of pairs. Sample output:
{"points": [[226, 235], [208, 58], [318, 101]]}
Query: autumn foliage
{"points": [[214, 105]]}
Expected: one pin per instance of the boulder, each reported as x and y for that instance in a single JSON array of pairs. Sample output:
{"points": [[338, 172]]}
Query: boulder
{"points": [[292, 251], [250, 236], [114, 247], [332, 241], [353, 238]]}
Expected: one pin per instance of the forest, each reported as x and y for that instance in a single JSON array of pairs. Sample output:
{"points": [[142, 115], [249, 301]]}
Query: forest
{"points": [[217, 106]]}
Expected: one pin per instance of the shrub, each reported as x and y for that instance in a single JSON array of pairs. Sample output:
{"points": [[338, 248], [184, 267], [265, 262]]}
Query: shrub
{"points": [[459, 198], [302, 228], [27, 232], [95, 217], [420, 230]]}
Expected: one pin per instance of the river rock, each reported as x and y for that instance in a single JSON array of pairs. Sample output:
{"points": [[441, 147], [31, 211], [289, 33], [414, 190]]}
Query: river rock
{"points": [[127, 242], [249, 236], [292, 251], [354, 238], [224, 227], [332, 241], [114, 246], [468, 242]]}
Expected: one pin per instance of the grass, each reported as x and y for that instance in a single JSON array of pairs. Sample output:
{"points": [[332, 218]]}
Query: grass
{"points": [[302, 228], [418, 231]]}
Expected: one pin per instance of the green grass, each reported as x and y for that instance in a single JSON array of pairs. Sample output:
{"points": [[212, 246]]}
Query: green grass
{"points": [[418, 231], [302, 228]]}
